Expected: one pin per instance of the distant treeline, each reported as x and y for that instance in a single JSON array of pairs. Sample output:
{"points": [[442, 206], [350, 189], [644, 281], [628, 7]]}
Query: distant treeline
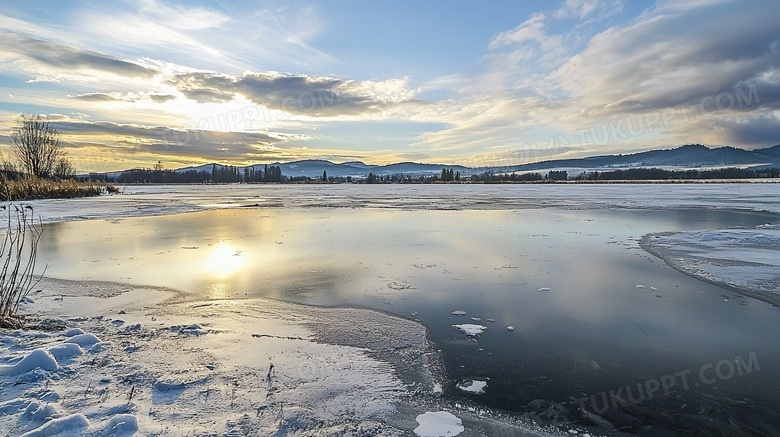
{"points": [[221, 174], [633, 174], [231, 174]]}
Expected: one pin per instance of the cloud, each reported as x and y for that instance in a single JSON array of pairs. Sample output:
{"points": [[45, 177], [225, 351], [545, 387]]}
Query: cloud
{"points": [[744, 130], [55, 58], [124, 97], [531, 29], [673, 58], [192, 18], [189, 143], [96, 97], [301, 95], [583, 9]]}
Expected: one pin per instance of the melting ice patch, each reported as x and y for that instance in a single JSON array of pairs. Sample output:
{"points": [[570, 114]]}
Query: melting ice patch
{"points": [[470, 329], [473, 387], [437, 424], [746, 259]]}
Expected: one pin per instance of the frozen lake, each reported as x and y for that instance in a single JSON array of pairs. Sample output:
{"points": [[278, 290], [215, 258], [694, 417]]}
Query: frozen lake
{"points": [[591, 311]]}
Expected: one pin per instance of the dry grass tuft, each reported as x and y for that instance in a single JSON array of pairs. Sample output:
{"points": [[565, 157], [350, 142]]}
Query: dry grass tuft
{"points": [[31, 187]]}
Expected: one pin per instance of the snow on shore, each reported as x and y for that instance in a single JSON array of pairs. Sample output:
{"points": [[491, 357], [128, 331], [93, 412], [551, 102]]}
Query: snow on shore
{"points": [[254, 367], [745, 259]]}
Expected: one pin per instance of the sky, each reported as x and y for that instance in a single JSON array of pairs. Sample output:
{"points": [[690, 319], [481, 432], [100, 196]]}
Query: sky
{"points": [[128, 84]]}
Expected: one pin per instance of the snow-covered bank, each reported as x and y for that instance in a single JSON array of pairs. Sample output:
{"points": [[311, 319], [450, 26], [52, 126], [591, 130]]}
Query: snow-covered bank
{"points": [[747, 260], [111, 365], [110, 359]]}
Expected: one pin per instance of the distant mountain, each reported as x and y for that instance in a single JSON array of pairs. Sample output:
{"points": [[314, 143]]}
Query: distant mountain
{"points": [[689, 156], [692, 155]]}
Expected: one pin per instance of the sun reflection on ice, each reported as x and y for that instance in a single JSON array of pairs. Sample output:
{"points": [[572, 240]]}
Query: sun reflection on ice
{"points": [[223, 261]]}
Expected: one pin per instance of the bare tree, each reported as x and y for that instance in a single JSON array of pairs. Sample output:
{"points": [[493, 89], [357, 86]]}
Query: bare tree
{"points": [[64, 169], [36, 145]]}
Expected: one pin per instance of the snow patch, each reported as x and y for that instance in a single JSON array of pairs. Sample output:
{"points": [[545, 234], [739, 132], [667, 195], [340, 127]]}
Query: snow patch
{"points": [[38, 358], [438, 424], [473, 387], [83, 340], [470, 329], [71, 425]]}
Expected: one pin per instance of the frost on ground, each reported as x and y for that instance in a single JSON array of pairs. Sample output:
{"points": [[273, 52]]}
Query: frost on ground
{"points": [[745, 259], [132, 361]]}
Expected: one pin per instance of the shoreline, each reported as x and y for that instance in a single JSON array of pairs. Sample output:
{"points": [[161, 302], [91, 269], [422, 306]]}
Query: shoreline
{"points": [[156, 338], [159, 353]]}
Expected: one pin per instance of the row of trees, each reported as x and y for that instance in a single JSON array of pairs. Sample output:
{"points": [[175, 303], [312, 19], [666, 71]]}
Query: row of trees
{"points": [[633, 174], [36, 149], [221, 174], [449, 175]]}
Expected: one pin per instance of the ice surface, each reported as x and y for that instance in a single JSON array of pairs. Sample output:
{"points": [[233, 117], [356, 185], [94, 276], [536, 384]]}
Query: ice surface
{"points": [[473, 387], [438, 424], [330, 371], [145, 200], [746, 259], [471, 329]]}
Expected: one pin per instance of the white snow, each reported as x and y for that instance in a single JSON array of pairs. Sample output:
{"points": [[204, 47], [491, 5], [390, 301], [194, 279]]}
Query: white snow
{"points": [[510, 328], [83, 340], [121, 423], [473, 387], [72, 425], [458, 313], [65, 350], [471, 329], [438, 424], [544, 289], [148, 377], [37, 359], [72, 332]]}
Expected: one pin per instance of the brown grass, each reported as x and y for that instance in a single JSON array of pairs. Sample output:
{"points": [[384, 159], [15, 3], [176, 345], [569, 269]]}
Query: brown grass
{"points": [[31, 187]]}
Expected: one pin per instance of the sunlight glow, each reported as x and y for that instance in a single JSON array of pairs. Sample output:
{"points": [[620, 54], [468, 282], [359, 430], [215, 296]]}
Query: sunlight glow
{"points": [[224, 260]]}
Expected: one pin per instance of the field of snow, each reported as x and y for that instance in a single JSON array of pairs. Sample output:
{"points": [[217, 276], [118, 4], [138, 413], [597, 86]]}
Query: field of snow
{"points": [[119, 364]]}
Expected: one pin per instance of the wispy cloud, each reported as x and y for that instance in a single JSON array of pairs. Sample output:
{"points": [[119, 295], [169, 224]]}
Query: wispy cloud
{"points": [[584, 9], [52, 60]]}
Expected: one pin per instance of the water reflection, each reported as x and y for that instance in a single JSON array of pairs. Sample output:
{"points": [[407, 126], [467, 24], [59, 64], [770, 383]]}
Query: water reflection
{"points": [[223, 261], [490, 264]]}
